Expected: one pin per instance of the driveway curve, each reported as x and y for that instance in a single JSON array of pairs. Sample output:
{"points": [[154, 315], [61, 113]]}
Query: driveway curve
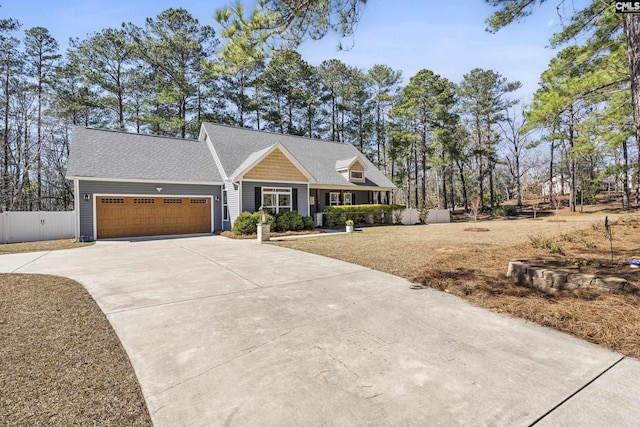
{"points": [[229, 332]]}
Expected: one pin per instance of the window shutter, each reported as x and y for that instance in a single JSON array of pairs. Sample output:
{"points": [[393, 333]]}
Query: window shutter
{"points": [[294, 199], [353, 199], [327, 202], [258, 200]]}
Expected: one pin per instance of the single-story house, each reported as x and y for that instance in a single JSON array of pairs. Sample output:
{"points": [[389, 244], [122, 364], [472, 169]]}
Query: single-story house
{"points": [[128, 185]]}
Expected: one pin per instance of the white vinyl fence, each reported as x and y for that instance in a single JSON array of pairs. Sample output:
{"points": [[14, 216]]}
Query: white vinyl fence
{"points": [[34, 226], [410, 216]]}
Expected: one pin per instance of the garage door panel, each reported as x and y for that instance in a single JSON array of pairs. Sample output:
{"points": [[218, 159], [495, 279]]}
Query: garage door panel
{"points": [[147, 216]]}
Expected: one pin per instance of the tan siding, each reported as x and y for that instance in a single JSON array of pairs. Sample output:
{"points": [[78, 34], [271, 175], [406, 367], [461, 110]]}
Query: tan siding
{"points": [[276, 167], [357, 166]]}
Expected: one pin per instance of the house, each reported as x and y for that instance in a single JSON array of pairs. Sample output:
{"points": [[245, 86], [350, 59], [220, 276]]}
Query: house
{"points": [[128, 185]]}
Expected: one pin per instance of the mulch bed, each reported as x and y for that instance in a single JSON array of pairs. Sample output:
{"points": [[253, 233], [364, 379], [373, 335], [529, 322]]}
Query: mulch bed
{"points": [[609, 320], [61, 363]]}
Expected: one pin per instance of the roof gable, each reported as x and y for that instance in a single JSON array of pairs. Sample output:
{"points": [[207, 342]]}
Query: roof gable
{"points": [[275, 164], [234, 146]]}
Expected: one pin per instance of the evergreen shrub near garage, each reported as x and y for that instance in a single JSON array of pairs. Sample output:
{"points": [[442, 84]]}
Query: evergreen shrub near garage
{"points": [[247, 223], [361, 214]]}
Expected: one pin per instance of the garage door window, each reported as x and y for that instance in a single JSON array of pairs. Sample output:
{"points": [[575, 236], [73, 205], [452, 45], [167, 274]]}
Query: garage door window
{"points": [[112, 201], [172, 201], [143, 201]]}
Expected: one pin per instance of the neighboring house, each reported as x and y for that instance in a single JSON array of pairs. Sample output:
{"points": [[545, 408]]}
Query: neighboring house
{"points": [[128, 185]]}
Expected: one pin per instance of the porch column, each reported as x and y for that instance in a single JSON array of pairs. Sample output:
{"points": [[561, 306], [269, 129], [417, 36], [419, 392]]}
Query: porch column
{"points": [[388, 197], [370, 194], [317, 200]]}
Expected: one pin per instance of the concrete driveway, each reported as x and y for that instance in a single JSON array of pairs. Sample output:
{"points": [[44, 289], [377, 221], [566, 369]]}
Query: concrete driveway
{"points": [[227, 332]]}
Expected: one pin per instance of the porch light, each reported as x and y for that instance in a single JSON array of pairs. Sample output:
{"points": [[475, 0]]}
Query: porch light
{"points": [[86, 197], [263, 215]]}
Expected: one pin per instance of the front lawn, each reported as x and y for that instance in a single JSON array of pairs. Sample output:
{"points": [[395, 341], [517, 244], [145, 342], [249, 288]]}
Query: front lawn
{"points": [[61, 363], [48, 245], [473, 266]]}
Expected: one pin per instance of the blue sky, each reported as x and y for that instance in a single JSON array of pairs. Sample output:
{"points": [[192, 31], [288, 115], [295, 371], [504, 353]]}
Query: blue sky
{"points": [[447, 37]]}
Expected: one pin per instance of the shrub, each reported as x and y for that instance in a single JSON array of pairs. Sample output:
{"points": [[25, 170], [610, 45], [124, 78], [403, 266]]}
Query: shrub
{"points": [[360, 214], [309, 223], [246, 223], [543, 242], [295, 221], [506, 211], [292, 221]]}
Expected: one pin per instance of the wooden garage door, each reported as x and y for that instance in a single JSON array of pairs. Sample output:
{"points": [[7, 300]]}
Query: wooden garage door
{"points": [[119, 216]]}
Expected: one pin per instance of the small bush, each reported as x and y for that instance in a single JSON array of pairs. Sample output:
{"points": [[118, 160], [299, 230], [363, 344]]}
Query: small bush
{"points": [[309, 223], [543, 242], [506, 211], [246, 223]]}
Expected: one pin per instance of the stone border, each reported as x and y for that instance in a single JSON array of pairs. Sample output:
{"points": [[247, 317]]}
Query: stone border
{"points": [[556, 281]]}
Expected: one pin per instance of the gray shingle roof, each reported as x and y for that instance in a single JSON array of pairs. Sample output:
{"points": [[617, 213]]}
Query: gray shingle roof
{"points": [[119, 155], [234, 145]]}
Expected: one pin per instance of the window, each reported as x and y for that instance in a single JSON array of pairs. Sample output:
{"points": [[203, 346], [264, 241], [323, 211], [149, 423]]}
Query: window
{"points": [[198, 201], [334, 199], [172, 201], [112, 201], [143, 201], [357, 175], [225, 206], [276, 200], [347, 199]]}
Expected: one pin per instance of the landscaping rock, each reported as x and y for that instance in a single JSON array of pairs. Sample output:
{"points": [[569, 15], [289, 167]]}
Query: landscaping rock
{"points": [[547, 280]]}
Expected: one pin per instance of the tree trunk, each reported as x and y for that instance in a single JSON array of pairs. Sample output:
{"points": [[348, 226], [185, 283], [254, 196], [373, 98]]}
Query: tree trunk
{"points": [[463, 183], [625, 176], [492, 196], [572, 165], [632, 33]]}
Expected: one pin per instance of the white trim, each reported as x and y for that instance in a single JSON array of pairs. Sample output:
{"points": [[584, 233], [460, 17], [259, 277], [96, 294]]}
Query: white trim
{"points": [[142, 181], [240, 176], [240, 210], [76, 206], [352, 188], [277, 194], [214, 154], [224, 203], [95, 195], [352, 179], [275, 181]]}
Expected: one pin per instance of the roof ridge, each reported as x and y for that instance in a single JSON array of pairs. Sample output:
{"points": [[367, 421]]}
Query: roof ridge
{"points": [[122, 132], [288, 135]]}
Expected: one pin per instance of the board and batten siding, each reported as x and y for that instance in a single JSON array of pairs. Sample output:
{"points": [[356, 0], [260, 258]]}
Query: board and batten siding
{"points": [[233, 201], [85, 207], [275, 167], [249, 195]]}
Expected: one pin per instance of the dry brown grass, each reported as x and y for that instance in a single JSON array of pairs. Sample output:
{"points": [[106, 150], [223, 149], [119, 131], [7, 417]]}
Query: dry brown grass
{"points": [[473, 266], [50, 245], [60, 361], [230, 235]]}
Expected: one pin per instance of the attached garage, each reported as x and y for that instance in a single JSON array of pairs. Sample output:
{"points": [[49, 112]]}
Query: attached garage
{"points": [[134, 216]]}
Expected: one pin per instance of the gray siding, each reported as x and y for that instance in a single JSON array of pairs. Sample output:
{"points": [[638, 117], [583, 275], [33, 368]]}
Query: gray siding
{"points": [[105, 187], [248, 195]]}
